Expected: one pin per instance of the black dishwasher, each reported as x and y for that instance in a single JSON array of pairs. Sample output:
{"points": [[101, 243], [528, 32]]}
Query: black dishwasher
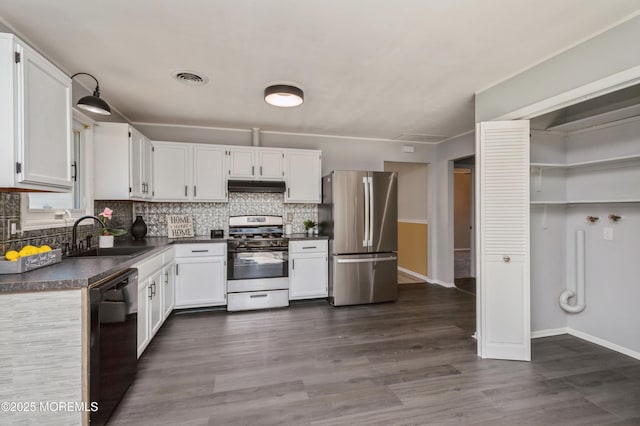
{"points": [[113, 341]]}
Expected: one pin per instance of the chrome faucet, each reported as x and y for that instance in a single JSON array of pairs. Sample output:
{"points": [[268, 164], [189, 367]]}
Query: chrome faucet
{"points": [[74, 232]]}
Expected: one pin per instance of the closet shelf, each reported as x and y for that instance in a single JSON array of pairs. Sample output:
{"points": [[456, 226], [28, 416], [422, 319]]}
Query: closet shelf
{"points": [[604, 161], [583, 202]]}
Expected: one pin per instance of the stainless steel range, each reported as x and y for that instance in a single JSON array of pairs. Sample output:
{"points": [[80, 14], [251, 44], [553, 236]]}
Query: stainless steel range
{"points": [[257, 264]]}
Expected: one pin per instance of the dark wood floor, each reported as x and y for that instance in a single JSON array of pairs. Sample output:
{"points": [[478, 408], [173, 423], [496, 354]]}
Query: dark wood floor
{"points": [[412, 362]]}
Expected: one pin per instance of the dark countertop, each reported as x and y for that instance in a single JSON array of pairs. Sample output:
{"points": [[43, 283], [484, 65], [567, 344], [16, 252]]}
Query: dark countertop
{"points": [[303, 236], [82, 272]]}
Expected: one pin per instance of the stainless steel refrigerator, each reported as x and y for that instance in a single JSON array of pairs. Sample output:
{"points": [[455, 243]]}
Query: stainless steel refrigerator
{"points": [[359, 212]]}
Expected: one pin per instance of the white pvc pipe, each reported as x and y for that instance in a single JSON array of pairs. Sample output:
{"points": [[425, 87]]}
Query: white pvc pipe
{"points": [[255, 136], [579, 291]]}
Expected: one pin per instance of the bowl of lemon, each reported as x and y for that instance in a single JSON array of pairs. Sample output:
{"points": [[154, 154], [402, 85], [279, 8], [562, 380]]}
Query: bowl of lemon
{"points": [[28, 258]]}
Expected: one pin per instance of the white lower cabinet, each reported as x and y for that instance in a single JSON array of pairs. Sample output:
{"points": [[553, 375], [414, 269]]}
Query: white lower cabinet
{"points": [[152, 307], [308, 273], [169, 290], [157, 311], [144, 328], [201, 275]]}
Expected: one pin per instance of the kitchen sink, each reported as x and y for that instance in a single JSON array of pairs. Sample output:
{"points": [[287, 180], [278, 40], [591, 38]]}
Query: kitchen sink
{"points": [[111, 251]]}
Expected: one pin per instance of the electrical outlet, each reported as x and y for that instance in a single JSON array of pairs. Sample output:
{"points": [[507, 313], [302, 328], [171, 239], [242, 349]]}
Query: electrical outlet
{"points": [[12, 226], [607, 234]]}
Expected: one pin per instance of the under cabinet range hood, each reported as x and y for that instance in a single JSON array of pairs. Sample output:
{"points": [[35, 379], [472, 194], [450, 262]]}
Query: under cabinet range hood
{"points": [[256, 186]]}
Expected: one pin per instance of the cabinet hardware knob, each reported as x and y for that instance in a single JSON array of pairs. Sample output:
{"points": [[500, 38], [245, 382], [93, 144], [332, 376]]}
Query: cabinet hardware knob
{"points": [[506, 259]]}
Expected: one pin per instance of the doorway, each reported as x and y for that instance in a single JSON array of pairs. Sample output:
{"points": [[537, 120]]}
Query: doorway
{"points": [[412, 220], [463, 229]]}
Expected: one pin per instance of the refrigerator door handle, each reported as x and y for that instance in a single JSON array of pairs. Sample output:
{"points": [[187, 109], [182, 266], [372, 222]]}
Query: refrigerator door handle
{"points": [[367, 260], [370, 243], [367, 206]]}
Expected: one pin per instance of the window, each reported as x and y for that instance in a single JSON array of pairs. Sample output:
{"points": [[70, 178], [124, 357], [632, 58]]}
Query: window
{"points": [[48, 210]]}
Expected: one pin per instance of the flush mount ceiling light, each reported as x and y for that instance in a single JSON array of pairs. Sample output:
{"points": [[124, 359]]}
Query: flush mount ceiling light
{"points": [[283, 95], [93, 103]]}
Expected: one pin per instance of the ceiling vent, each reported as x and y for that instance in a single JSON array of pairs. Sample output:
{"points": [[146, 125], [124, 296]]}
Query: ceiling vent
{"points": [[190, 78], [420, 137]]}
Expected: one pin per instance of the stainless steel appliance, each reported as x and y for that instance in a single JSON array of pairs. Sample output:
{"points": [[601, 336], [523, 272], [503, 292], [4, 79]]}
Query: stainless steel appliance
{"points": [[113, 341], [257, 263], [359, 212]]}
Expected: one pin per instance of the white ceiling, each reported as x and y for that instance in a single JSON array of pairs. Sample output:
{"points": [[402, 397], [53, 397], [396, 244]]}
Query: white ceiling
{"points": [[369, 68]]}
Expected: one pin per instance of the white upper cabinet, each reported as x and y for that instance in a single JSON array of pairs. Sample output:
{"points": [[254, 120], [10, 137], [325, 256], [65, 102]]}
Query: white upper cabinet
{"points": [[270, 164], [123, 163], [209, 179], [171, 171], [254, 163], [189, 172], [303, 174], [241, 163], [35, 120]]}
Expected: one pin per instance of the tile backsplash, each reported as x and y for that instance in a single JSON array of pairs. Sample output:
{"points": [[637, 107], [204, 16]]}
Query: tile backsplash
{"points": [[206, 216], [54, 237]]}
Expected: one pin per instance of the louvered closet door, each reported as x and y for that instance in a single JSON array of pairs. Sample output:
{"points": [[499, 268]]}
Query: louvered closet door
{"points": [[502, 152]]}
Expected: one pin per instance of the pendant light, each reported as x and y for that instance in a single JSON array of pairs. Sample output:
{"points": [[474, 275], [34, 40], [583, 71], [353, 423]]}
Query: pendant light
{"points": [[283, 95], [93, 103]]}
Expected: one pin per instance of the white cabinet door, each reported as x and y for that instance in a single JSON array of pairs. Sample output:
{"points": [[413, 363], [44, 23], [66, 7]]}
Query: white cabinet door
{"points": [[144, 328], [157, 308], [147, 168], [200, 281], [209, 179], [43, 103], [241, 163], [136, 162], [308, 276], [502, 226], [270, 164], [171, 171], [303, 171], [168, 293]]}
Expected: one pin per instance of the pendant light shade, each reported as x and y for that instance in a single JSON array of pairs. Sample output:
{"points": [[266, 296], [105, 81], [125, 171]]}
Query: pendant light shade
{"points": [[93, 103], [282, 95]]}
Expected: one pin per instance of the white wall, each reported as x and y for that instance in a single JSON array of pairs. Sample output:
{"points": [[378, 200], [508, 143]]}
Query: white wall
{"points": [[412, 190], [440, 201], [612, 267], [600, 57], [548, 234]]}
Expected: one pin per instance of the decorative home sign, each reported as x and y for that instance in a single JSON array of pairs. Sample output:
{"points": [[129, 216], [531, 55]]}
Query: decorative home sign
{"points": [[179, 226]]}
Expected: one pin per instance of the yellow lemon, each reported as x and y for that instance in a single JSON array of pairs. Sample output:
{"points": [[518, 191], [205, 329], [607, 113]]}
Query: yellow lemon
{"points": [[12, 255], [25, 251], [44, 249]]}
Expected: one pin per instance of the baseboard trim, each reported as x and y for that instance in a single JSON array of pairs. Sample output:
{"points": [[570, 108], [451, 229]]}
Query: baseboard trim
{"points": [[413, 274], [585, 336], [442, 283], [549, 332], [605, 343]]}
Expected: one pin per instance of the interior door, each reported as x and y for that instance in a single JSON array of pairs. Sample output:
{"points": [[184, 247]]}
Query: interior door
{"points": [[502, 226], [384, 211]]}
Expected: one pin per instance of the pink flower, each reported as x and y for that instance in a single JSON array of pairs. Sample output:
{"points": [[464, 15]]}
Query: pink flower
{"points": [[107, 213]]}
